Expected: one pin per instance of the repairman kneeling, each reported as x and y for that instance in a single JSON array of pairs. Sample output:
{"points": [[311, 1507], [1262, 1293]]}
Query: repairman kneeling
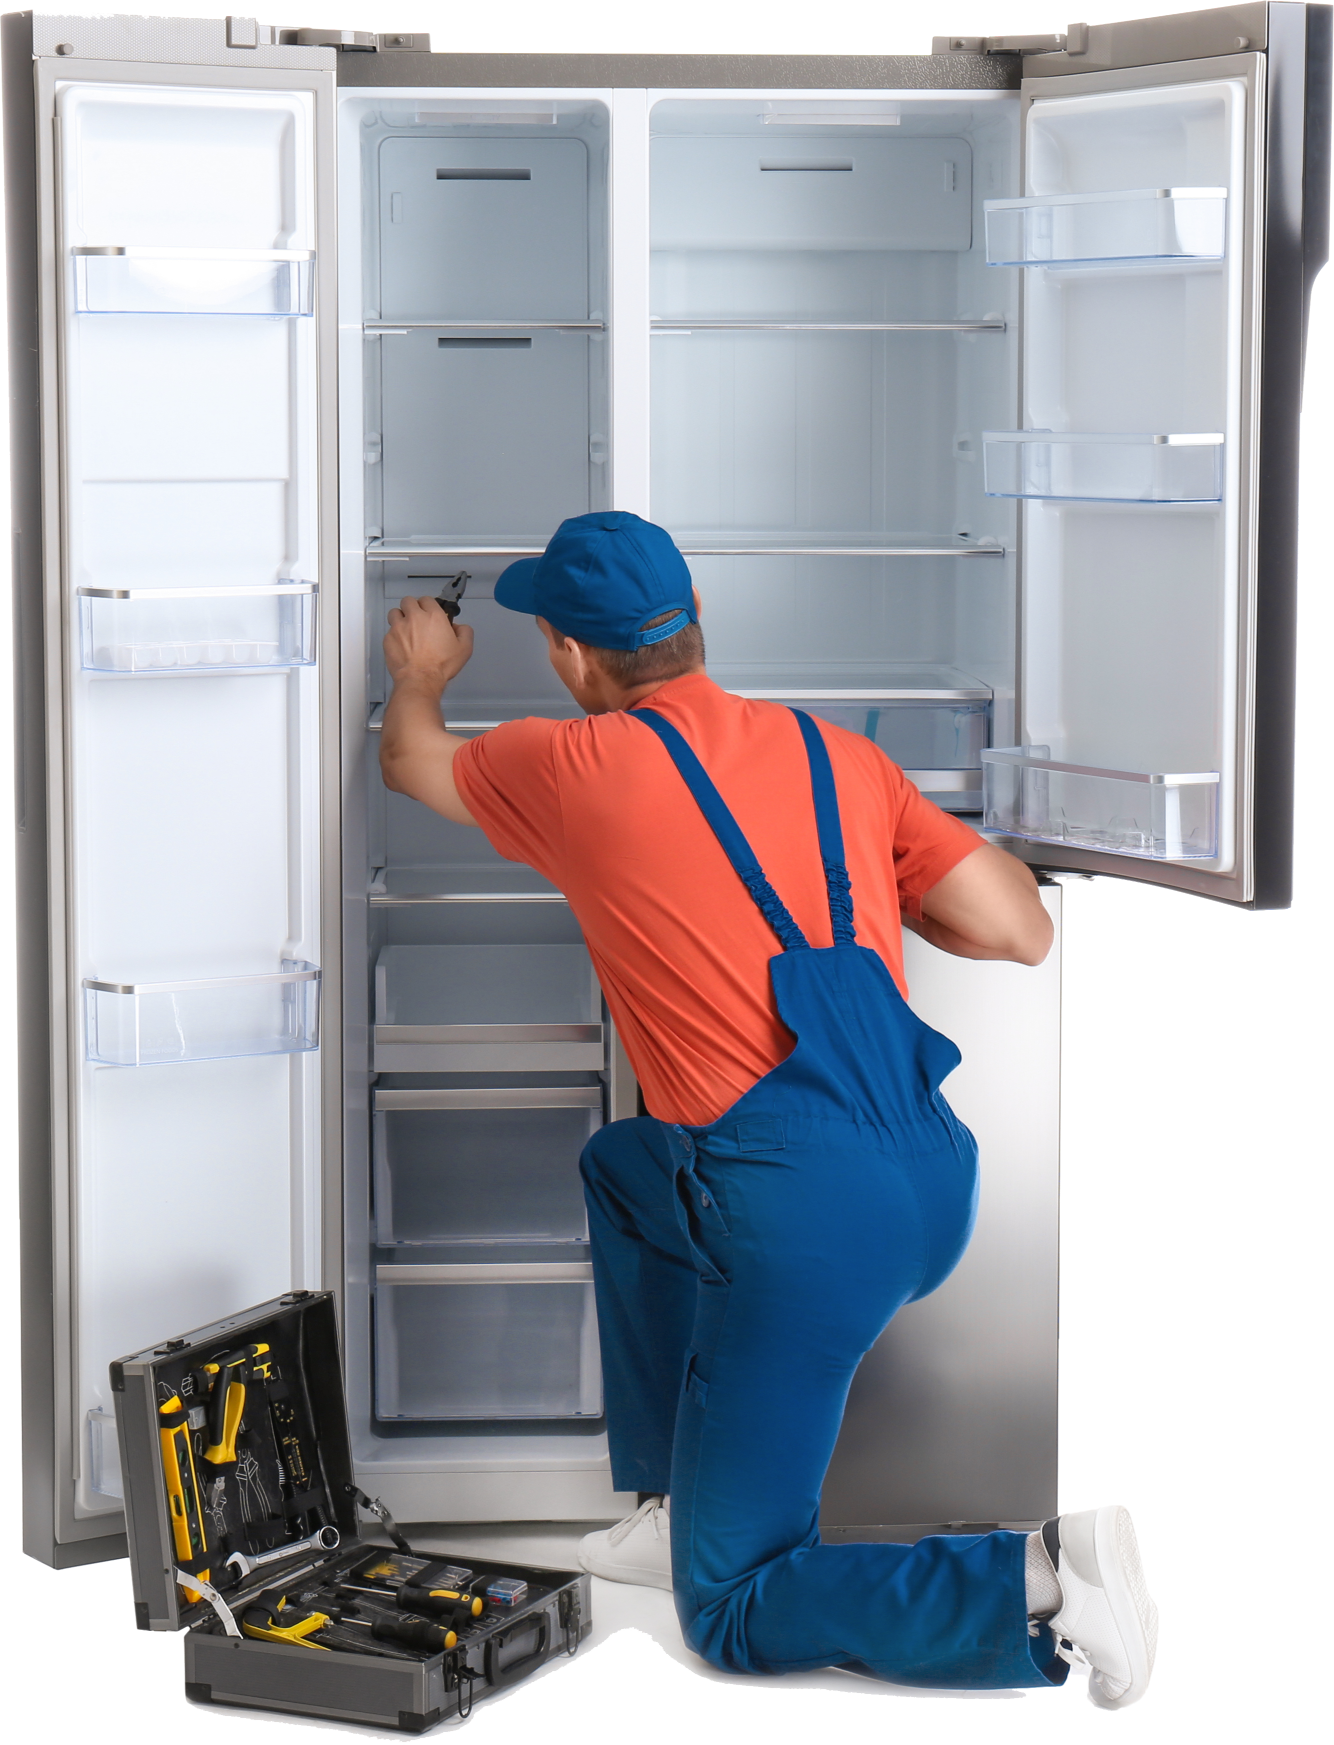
{"points": [[741, 872]]}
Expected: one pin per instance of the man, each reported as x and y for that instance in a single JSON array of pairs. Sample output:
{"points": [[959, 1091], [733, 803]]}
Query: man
{"points": [[740, 873]]}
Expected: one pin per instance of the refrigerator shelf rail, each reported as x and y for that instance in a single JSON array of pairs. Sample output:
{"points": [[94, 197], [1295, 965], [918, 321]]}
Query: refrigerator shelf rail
{"points": [[686, 326], [1167, 225], [1149, 816], [203, 630], [388, 329], [210, 1018], [697, 545], [117, 280], [1109, 467], [486, 1272]]}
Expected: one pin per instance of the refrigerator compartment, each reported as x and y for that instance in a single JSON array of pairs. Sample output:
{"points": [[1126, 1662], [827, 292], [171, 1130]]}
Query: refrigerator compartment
{"points": [[503, 430], [1139, 224], [194, 281], [482, 1165], [218, 1018], [152, 630], [775, 191], [1152, 817], [1116, 467], [505, 1340], [487, 1008]]}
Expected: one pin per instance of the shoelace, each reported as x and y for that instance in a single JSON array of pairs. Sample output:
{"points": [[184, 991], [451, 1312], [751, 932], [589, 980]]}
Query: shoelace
{"points": [[652, 1508]]}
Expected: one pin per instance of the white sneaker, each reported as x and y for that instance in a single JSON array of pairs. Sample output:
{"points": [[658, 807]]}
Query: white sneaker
{"points": [[1106, 1620], [637, 1549]]}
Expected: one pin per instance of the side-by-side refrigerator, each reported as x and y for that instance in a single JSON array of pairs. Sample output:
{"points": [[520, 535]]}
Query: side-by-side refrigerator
{"points": [[969, 385]]}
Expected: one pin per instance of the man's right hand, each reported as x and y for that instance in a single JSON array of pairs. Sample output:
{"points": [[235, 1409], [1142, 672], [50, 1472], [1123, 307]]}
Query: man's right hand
{"points": [[422, 642]]}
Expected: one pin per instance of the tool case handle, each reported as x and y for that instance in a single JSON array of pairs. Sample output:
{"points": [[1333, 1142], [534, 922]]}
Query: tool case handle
{"points": [[496, 1675]]}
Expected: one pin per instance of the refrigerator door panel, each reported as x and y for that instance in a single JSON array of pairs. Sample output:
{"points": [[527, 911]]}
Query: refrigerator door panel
{"points": [[1155, 460], [181, 334]]}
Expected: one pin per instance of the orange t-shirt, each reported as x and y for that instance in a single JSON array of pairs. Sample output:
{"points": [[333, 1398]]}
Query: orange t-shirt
{"points": [[681, 950]]}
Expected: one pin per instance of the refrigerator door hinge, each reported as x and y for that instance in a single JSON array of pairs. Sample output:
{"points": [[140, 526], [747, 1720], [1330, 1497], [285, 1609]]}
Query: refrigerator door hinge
{"points": [[366, 42], [1013, 45]]}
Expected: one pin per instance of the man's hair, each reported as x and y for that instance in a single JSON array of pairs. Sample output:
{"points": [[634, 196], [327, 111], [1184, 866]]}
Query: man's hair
{"points": [[668, 659]]}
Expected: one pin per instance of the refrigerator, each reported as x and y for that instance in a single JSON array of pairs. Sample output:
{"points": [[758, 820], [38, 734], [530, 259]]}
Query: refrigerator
{"points": [[968, 384]]}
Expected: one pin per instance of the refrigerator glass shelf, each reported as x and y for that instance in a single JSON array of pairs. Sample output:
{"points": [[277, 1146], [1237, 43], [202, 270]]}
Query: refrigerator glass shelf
{"points": [[705, 543], [486, 1342], [1152, 817], [1118, 467], [193, 281], [685, 325], [393, 887], [217, 1018], [178, 630], [482, 1166], [1096, 230]]}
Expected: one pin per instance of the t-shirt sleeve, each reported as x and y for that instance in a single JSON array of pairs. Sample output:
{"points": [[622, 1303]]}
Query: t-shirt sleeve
{"points": [[507, 778], [928, 843]]}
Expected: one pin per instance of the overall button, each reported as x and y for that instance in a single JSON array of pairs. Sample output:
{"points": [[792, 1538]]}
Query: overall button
{"points": [[704, 1200]]}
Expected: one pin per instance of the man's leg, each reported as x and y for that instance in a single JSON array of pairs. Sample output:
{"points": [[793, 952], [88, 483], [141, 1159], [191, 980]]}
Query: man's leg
{"points": [[814, 1248], [645, 1282]]}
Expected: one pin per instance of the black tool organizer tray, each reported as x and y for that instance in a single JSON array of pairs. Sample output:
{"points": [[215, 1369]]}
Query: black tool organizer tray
{"points": [[282, 1453]]}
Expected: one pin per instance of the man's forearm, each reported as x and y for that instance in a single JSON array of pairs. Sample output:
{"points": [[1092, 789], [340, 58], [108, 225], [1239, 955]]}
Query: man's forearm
{"points": [[417, 750]]}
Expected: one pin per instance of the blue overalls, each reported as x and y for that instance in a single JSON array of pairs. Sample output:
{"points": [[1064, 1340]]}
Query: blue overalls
{"points": [[742, 1270]]}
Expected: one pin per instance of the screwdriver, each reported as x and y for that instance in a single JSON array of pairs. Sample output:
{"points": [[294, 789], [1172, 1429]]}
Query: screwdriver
{"points": [[443, 1601], [414, 1632]]}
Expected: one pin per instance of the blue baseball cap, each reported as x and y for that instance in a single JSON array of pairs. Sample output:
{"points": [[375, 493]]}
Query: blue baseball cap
{"points": [[601, 580]]}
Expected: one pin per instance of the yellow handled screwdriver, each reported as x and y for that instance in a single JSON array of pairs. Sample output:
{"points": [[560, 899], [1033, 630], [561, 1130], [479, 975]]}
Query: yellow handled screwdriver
{"points": [[226, 1403]]}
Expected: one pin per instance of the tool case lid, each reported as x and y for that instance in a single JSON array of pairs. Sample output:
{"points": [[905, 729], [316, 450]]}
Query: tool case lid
{"points": [[301, 1332]]}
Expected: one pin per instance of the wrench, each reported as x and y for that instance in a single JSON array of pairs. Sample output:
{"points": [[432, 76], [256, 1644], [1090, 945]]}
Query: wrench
{"points": [[327, 1539]]}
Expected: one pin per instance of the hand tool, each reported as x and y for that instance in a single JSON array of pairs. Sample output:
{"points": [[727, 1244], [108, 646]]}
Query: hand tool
{"points": [[451, 594], [414, 1632], [269, 1622], [226, 1403], [339, 1636], [178, 1467], [444, 1602], [327, 1539]]}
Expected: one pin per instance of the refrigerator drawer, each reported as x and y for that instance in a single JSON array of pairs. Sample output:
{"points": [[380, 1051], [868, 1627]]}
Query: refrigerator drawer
{"points": [[487, 1008], [918, 736], [486, 1342], [482, 1166]]}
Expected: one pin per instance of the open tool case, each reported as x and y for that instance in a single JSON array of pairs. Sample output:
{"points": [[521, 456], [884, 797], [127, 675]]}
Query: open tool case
{"points": [[243, 1512]]}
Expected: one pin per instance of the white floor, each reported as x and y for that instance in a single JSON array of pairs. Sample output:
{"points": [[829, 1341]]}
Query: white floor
{"points": [[615, 1608]]}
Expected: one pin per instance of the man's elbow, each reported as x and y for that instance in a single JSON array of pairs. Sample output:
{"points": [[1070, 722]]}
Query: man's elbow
{"points": [[1033, 940]]}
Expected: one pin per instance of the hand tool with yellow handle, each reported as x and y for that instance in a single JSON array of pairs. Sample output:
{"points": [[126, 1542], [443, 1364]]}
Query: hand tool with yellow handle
{"points": [[178, 1467], [412, 1632], [266, 1621], [226, 1402], [441, 1601]]}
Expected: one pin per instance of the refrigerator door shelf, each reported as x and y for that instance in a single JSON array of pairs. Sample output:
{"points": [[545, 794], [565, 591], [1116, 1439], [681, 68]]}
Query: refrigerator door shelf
{"points": [[194, 281], [484, 1166], [499, 1341], [1166, 225], [1116, 467], [206, 630], [1152, 817], [218, 1018]]}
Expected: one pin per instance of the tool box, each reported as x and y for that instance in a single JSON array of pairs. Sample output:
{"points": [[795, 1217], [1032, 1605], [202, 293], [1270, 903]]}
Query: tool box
{"points": [[243, 1517]]}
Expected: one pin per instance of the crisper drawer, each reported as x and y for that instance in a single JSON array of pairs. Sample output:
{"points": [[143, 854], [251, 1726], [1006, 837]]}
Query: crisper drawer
{"points": [[487, 1008], [482, 1165], [501, 1340]]}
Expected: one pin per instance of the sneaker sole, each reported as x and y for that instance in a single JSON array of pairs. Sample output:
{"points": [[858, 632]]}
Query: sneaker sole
{"points": [[632, 1577], [1133, 1612]]}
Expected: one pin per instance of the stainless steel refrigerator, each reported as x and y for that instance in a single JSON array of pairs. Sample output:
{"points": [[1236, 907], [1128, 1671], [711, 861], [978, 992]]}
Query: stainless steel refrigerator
{"points": [[969, 385]]}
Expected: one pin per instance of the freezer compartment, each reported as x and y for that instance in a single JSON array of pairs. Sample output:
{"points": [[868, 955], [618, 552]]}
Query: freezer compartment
{"points": [[483, 1164], [487, 1008], [1140, 224], [1153, 817], [193, 281], [1116, 467], [499, 1340], [154, 630], [154, 1023]]}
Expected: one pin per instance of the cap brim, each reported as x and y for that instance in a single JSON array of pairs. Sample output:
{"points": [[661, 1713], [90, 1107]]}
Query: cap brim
{"points": [[514, 586]]}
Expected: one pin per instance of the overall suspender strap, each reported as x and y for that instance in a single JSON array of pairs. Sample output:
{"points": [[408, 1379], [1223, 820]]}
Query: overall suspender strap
{"points": [[726, 829], [830, 830]]}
